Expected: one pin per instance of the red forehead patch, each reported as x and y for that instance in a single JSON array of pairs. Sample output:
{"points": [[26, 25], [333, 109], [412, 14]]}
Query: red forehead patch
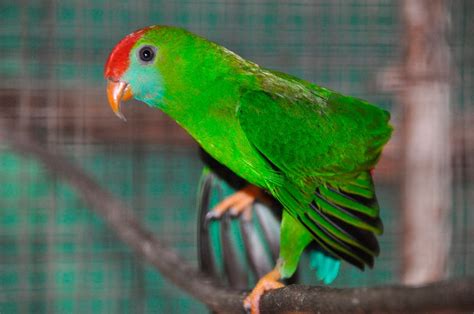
{"points": [[118, 60]]}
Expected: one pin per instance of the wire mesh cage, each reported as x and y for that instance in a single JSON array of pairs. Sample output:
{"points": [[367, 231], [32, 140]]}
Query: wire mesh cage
{"points": [[56, 256]]}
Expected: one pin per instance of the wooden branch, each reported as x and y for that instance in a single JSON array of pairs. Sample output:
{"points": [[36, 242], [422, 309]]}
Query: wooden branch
{"points": [[453, 295]]}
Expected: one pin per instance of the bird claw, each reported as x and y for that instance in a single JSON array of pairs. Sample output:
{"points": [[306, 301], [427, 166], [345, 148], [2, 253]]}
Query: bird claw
{"points": [[236, 204], [211, 215], [252, 301], [266, 283], [247, 308], [234, 212]]}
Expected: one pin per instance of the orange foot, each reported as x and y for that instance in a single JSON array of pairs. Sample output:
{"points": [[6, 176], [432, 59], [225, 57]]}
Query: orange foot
{"points": [[236, 203], [266, 283]]}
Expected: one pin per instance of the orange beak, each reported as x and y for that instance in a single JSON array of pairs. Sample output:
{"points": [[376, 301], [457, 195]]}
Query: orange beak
{"points": [[118, 91]]}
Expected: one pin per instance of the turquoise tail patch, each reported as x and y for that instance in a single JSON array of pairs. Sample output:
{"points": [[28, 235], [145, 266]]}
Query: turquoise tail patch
{"points": [[327, 267]]}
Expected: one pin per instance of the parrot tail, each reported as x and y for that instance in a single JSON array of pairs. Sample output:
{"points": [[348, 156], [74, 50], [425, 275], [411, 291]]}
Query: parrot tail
{"points": [[233, 249]]}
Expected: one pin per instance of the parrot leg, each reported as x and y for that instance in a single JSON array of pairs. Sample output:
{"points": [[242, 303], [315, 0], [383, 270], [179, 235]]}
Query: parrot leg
{"points": [[293, 239], [266, 283], [236, 203]]}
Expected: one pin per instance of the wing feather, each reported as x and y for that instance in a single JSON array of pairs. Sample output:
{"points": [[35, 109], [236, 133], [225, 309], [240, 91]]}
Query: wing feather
{"points": [[324, 145]]}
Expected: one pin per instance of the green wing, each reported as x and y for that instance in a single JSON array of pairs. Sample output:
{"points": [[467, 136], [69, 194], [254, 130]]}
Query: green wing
{"points": [[324, 144], [311, 136]]}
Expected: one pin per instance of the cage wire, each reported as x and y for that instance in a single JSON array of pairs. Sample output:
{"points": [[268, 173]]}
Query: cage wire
{"points": [[56, 256]]}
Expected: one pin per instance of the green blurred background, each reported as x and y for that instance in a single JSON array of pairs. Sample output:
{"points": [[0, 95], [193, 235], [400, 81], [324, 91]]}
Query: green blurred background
{"points": [[57, 256]]}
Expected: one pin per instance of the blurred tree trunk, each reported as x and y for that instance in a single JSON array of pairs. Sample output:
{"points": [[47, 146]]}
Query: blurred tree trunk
{"points": [[425, 131]]}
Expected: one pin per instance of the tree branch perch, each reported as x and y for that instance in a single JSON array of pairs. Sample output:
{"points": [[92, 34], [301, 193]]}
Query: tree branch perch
{"points": [[452, 295]]}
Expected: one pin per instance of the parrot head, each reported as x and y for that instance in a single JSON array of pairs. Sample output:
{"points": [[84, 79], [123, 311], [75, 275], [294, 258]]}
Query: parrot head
{"points": [[162, 65], [134, 67]]}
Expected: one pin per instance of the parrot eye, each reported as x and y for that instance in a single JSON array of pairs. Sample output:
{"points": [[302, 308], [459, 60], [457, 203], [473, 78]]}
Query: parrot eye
{"points": [[147, 54]]}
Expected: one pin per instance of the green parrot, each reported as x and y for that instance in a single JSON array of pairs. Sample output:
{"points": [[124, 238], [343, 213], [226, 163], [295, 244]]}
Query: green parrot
{"points": [[311, 148]]}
